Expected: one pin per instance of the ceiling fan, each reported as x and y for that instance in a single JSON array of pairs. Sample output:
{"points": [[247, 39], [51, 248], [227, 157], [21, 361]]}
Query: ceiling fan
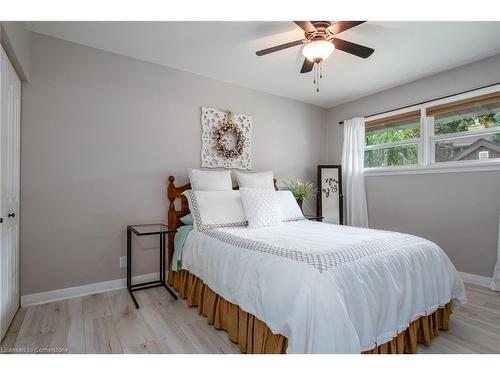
{"points": [[320, 42]]}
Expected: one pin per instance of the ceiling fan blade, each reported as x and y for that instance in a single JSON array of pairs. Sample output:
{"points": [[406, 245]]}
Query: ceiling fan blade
{"points": [[307, 66], [280, 47], [307, 26], [352, 48], [341, 26]]}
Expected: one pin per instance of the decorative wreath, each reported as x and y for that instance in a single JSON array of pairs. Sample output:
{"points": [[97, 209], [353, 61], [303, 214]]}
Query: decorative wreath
{"points": [[228, 127]]}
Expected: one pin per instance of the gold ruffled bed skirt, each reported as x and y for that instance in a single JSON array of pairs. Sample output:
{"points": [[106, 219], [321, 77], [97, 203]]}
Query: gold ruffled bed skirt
{"points": [[253, 336]]}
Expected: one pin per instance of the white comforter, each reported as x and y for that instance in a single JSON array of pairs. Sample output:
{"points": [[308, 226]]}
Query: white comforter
{"points": [[327, 288]]}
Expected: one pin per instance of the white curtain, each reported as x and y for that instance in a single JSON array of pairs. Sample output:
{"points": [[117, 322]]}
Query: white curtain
{"points": [[353, 180], [495, 281]]}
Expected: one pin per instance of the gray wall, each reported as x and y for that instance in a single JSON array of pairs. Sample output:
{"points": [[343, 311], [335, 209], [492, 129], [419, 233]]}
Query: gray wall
{"points": [[14, 38], [100, 135], [459, 211]]}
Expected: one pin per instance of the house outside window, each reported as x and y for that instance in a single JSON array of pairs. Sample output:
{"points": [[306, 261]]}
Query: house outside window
{"points": [[466, 129], [443, 133]]}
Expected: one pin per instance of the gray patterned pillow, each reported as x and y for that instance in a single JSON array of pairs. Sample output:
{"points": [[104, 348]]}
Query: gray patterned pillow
{"points": [[215, 209], [261, 207]]}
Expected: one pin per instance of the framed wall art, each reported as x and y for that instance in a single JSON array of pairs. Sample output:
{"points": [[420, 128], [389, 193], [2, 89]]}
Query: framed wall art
{"points": [[226, 139]]}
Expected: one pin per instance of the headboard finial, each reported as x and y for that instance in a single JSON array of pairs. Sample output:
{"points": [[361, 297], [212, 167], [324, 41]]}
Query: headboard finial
{"points": [[171, 193]]}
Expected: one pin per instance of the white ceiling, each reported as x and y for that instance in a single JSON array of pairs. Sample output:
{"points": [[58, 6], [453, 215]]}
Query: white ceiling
{"points": [[404, 51]]}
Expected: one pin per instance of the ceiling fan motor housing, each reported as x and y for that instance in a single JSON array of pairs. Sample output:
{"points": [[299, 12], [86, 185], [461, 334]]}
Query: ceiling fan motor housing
{"points": [[321, 30]]}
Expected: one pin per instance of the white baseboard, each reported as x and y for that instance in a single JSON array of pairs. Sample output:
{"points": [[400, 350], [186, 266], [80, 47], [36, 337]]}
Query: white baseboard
{"points": [[476, 279], [83, 290]]}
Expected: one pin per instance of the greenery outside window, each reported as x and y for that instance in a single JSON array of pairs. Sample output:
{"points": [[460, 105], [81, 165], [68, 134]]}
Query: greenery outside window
{"points": [[393, 141], [442, 133]]}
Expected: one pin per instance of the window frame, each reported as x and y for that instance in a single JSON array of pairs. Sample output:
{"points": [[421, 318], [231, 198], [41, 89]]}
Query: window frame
{"points": [[426, 155]]}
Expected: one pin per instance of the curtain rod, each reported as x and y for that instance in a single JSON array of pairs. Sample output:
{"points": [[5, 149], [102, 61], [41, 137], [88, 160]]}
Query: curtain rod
{"points": [[427, 101]]}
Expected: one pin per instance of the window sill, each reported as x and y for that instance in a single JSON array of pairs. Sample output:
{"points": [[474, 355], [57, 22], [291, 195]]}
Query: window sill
{"points": [[462, 167]]}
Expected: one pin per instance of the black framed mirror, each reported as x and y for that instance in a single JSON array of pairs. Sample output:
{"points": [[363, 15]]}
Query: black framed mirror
{"points": [[330, 199]]}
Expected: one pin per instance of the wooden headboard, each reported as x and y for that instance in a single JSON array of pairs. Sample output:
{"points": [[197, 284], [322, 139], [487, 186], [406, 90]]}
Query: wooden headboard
{"points": [[173, 193], [174, 215]]}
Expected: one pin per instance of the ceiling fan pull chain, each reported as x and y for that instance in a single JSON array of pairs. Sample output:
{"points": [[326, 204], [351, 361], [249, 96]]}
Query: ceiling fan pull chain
{"points": [[318, 74], [321, 69], [314, 73]]}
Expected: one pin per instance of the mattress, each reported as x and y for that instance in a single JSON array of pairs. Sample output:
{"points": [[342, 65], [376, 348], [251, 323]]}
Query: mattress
{"points": [[327, 288]]}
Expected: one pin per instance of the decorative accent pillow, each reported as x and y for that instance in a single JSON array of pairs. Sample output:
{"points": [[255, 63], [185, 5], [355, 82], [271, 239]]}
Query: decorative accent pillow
{"points": [[290, 210], [187, 220], [210, 180], [261, 207], [258, 180], [216, 209]]}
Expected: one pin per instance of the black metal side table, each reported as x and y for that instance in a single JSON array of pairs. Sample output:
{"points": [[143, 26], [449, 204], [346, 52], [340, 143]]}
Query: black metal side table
{"points": [[312, 217], [147, 230]]}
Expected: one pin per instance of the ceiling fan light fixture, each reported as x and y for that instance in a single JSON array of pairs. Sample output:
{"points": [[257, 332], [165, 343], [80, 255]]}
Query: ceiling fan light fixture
{"points": [[318, 50]]}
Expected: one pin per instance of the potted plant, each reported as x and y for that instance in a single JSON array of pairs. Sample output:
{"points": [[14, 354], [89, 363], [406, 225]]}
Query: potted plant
{"points": [[300, 189]]}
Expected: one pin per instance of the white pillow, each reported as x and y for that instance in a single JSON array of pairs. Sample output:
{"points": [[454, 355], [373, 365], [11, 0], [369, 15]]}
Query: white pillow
{"points": [[261, 207], [210, 180], [258, 180], [216, 209], [290, 210]]}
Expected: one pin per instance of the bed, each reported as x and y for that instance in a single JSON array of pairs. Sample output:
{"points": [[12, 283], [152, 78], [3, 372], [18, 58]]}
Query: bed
{"points": [[309, 287]]}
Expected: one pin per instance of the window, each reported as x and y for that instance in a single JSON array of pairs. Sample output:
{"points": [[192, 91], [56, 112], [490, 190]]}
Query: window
{"points": [[467, 130], [393, 141], [441, 133]]}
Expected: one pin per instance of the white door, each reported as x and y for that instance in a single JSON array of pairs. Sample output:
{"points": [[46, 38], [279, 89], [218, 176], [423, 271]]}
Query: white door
{"points": [[10, 100]]}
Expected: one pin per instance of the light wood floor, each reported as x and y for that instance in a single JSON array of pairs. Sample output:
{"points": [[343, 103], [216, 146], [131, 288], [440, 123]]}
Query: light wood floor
{"points": [[109, 323]]}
